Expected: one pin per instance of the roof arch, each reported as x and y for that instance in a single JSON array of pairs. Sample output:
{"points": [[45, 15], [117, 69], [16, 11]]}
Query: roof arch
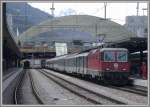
{"points": [[96, 26]]}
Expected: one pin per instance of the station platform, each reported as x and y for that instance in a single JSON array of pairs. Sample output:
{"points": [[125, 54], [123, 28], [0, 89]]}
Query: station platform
{"points": [[10, 70], [10, 76], [140, 82], [9, 83]]}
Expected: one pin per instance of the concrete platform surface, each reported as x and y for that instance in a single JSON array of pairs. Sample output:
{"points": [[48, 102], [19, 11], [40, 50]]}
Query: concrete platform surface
{"points": [[7, 82], [140, 82]]}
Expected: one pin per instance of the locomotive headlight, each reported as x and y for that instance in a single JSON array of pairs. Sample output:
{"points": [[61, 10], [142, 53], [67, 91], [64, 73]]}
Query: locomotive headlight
{"points": [[107, 69], [124, 69]]}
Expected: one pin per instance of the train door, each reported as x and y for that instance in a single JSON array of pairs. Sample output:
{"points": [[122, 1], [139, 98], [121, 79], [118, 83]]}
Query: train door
{"points": [[84, 61], [82, 65], [78, 64]]}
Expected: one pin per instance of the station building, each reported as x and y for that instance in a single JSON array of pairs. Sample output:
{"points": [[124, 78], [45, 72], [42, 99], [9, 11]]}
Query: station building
{"points": [[137, 25], [79, 32]]}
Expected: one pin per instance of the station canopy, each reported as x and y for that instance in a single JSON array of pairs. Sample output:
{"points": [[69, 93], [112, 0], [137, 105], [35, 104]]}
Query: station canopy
{"points": [[84, 27]]}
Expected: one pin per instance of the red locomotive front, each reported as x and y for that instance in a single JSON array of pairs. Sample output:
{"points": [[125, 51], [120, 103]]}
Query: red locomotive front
{"points": [[109, 63]]}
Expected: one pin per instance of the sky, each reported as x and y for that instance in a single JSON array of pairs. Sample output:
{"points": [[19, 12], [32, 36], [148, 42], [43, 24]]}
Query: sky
{"points": [[115, 11]]}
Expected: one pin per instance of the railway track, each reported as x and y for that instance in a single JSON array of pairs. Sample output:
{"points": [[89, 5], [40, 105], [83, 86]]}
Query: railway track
{"points": [[17, 89], [140, 88], [17, 94], [91, 96], [8, 75], [132, 90], [39, 99]]}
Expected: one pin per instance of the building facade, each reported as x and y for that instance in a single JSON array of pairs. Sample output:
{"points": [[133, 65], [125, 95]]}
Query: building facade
{"points": [[137, 25]]}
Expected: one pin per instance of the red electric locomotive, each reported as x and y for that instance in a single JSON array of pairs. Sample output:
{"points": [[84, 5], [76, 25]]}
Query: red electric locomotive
{"points": [[109, 65]]}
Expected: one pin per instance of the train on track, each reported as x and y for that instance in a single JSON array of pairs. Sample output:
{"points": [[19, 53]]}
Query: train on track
{"points": [[110, 65]]}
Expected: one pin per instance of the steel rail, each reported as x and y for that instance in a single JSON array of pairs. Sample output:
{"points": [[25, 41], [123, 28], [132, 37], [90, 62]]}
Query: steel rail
{"points": [[131, 90], [36, 94], [16, 99]]}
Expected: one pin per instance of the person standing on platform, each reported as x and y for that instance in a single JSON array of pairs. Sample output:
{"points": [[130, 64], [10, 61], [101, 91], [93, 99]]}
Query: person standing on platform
{"points": [[144, 70]]}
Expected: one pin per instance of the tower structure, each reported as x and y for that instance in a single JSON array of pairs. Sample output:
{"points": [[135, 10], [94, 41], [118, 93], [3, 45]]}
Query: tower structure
{"points": [[105, 4], [137, 9], [52, 9]]}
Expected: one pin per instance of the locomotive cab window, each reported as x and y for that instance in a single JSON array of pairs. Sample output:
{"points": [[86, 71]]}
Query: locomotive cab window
{"points": [[109, 56], [122, 56]]}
